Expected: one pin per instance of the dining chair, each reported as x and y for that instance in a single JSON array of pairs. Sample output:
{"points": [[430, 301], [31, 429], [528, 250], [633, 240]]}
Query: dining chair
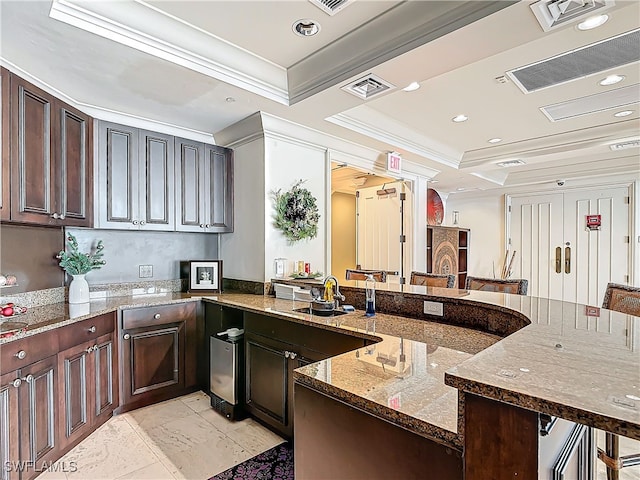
{"points": [[432, 279], [624, 299], [378, 275], [510, 285]]}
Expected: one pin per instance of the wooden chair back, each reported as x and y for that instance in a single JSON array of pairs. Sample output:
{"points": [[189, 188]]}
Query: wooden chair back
{"points": [[378, 275], [622, 298], [511, 285], [432, 279]]}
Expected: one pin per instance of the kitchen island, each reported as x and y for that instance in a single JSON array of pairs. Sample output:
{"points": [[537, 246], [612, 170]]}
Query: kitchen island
{"points": [[418, 372]]}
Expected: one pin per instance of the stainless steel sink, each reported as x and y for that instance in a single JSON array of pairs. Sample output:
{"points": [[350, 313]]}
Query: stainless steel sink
{"points": [[330, 313]]}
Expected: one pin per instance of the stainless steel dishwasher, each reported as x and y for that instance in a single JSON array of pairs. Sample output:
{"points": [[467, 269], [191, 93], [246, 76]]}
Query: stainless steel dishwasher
{"points": [[226, 374]]}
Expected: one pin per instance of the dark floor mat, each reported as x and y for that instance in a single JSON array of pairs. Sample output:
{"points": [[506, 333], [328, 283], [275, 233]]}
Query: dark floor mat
{"points": [[274, 464]]}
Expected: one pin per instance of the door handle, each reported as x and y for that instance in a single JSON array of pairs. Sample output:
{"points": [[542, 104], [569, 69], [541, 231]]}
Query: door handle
{"points": [[567, 260], [558, 260]]}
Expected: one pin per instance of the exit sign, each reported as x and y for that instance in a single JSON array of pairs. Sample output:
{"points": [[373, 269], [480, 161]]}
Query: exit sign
{"points": [[394, 161]]}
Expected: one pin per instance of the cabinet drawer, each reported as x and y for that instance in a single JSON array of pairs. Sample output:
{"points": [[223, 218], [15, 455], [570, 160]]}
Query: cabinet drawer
{"points": [[160, 315], [35, 348], [85, 330]]}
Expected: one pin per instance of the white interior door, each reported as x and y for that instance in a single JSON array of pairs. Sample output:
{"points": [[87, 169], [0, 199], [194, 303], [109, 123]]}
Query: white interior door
{"points": [[536, 233], [559, 255], [379, 227]]}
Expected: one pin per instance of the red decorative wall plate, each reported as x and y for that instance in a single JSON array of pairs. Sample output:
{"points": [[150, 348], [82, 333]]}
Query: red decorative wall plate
{"points": [[435, 209]]}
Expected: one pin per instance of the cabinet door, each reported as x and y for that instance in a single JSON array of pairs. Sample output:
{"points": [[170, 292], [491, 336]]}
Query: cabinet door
{"points": [[32, 139], [38, 412], [9, 453], [76, 382], [156, 169], [219, 189], [4, 145], [190, 192], [267, 381], [153, 361], [105, 378], [74, 162], [117, 177]]}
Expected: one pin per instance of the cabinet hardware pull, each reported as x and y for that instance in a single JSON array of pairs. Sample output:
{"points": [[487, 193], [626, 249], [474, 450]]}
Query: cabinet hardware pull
{"points": [[567, 260], [126, 336], [202, 225], [286, 354], [142, 222], [92, 329], [89, 350], [95, 347], [16, 383], [558, 260], [54, 215], [21, 355], [208, 225], [293, 355], [61, 216], [28, 378], [156, 316], [135, 222]]}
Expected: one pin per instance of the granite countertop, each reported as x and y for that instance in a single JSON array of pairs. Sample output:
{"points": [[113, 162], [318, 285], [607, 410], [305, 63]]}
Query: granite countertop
{"points": [[566, 362], [47, 317]]}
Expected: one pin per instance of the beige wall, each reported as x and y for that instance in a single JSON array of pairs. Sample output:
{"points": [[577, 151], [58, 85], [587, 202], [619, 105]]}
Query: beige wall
{"points": [[343, 233]]}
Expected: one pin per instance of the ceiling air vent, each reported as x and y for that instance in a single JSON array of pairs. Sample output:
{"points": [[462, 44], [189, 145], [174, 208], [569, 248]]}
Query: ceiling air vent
{"points": [[556, 13], [616, 98], [331, 7], [635, 143], [588, 60], [368, 87]]}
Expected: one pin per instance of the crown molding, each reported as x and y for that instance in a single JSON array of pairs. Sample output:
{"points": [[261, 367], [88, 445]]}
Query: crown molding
{"points": [[380, 127], [101, 113], [150, 30]]}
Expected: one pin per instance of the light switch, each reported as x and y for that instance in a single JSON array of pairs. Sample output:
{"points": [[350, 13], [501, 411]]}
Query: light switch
{"points": [[433, 308], [145, 271]]}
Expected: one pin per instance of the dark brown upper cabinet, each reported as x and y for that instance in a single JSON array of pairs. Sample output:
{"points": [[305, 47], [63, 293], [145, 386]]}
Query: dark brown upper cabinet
{"points": [[5, 206], [135, 179], [204, 187], [51, 159]]}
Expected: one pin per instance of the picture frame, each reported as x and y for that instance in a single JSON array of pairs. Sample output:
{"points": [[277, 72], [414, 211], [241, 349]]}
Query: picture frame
{"points": [[204, 276]]}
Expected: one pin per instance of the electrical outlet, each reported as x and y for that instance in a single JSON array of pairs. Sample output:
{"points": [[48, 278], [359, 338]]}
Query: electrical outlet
{"points": [[433, 308], [145, 271]]}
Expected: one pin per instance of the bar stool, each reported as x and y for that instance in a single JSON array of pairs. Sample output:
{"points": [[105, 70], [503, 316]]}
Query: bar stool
{"points": [[511, 285], [432, 279], [378, 275], [624, 299]]}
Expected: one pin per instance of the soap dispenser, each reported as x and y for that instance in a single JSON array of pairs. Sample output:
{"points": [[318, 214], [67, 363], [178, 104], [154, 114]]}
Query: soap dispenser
{"points": [[370, 296]]}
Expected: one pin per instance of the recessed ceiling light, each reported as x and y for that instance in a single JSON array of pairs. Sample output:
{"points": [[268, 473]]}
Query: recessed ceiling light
{"points": [[494, 140], [411, 87], [623, 113], [306, 27], [229, 99], [459, 189], [460, 118], [593, 22], [510, 163], [611, 80]]}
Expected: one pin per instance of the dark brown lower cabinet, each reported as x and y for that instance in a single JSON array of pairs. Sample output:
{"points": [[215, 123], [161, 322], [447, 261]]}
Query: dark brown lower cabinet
{"points": [[154, 354], [37, 404], [9, 425], [274, 348], [88, 378]]}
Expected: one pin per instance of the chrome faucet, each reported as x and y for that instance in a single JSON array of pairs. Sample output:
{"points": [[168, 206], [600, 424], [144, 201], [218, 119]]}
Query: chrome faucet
{"points": [[336, 295]]}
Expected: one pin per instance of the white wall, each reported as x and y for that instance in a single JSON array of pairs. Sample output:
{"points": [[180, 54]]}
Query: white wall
{"points": [[484, 215], [286, 162], [243, 250]]}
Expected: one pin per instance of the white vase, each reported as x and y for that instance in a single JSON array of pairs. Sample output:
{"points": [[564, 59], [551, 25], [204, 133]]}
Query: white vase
{"points": [[78, 289]]}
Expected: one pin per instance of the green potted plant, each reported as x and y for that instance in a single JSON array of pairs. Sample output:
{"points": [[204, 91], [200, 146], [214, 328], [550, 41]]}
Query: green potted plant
{"points": [[78, 264]]}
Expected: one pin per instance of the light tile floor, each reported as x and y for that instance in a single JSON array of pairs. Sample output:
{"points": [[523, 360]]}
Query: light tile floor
{"points": [[181, 438]]}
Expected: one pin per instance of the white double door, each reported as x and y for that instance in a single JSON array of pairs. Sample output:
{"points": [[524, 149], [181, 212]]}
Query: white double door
{"points": [[559, 255]]}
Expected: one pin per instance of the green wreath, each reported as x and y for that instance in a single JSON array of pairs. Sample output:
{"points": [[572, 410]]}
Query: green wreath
{"points": [[296, 213]]}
